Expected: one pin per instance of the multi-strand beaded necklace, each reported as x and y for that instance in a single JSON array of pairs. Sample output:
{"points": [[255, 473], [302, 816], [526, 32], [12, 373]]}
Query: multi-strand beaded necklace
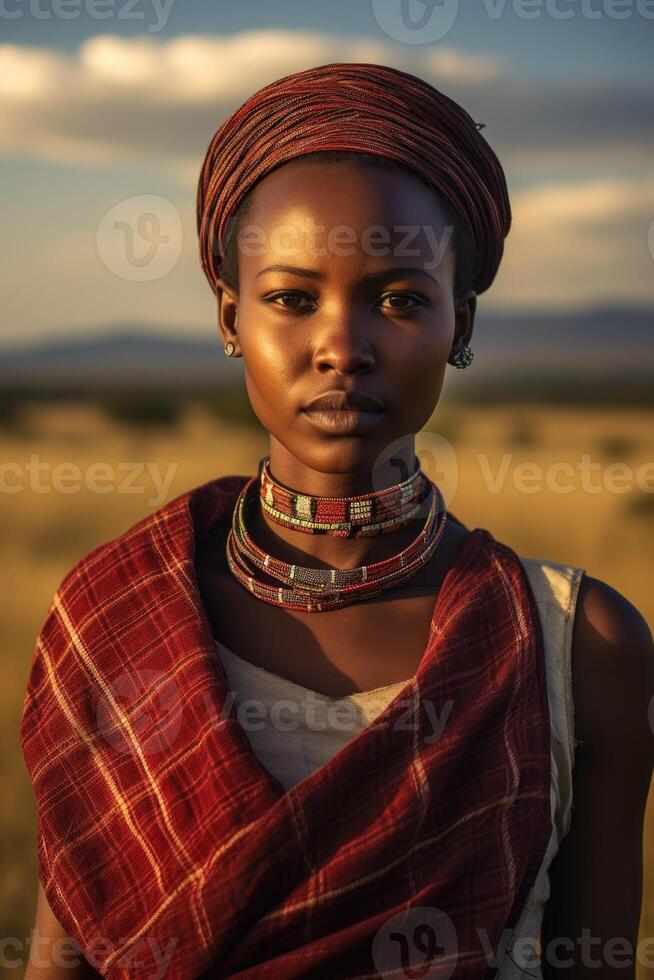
{"points": [[320, 589]]}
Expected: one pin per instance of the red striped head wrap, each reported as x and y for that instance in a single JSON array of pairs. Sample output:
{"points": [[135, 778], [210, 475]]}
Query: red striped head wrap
{"points": [[357, 107]]}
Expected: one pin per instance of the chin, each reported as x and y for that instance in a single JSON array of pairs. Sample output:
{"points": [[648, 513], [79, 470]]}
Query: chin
{"points": [[342, 454]]}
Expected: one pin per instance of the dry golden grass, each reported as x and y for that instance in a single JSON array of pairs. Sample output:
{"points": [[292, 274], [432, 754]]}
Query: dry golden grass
{"points": [[43, 534]]}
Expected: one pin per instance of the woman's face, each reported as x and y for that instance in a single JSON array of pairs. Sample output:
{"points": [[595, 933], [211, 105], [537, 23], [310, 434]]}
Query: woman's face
{"points": [[345, 315]]}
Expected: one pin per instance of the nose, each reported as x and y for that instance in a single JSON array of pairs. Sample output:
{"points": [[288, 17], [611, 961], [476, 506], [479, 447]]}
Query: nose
{"points": [[342, 345]]}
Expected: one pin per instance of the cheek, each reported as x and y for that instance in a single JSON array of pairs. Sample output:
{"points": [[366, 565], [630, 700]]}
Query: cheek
{"points": [[419, 371], [271, 364], [424, 356], [424, 387]]}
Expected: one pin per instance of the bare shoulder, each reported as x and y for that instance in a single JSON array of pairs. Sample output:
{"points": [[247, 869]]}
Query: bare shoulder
{"points": [[596, 877], [613, 672]]}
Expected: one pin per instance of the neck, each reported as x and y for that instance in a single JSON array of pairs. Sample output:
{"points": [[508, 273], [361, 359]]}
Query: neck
{"points": [[386, 472]]}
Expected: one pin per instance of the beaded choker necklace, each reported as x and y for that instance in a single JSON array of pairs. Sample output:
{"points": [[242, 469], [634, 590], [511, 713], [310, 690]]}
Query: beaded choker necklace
{"points": [[319, 589], [363, 516]]}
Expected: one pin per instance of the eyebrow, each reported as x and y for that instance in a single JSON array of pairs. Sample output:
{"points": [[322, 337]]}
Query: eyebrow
{"points": [[371, 276]]}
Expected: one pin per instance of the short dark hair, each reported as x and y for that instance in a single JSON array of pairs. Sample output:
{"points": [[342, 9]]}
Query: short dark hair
{"points": [[466, 256]]}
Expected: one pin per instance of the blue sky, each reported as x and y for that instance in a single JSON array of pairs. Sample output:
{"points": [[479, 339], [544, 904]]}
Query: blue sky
{"points": [[565, 47], [98, 112]]}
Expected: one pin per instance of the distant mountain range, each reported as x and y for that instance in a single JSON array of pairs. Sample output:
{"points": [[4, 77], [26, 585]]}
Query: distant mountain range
{"points": [[115, 354], [612, 342]]}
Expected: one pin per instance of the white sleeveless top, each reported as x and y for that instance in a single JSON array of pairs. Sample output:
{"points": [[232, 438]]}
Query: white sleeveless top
{"points": [[295, 730]]}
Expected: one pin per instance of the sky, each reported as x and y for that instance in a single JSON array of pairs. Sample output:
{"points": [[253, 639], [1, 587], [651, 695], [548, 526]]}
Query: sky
{"points": [[107, 107]]}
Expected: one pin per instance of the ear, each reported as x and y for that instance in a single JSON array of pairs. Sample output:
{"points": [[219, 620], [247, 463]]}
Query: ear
{"points": [[464, 319], [227, 301]]}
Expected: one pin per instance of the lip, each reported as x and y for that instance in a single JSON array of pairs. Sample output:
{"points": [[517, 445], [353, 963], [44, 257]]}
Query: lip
{"points": [[343, 423], [340, 400]]}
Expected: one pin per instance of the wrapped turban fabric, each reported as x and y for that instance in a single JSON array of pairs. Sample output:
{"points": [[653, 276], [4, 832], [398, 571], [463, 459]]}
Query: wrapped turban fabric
{"points": [[356, 107]]}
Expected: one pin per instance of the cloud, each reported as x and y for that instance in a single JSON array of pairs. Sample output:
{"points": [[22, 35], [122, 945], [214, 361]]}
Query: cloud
{"points": [[155, 104], [133, 100], [578, 242], [142, 100], [576, 124], [447, 64]]}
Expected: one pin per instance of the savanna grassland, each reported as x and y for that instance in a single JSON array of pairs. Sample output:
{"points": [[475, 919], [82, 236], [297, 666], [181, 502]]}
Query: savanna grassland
{"points": [[515, 470]]}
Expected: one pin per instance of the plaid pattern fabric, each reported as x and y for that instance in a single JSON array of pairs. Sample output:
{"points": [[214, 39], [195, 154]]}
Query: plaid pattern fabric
{"points": [[162, 836]]}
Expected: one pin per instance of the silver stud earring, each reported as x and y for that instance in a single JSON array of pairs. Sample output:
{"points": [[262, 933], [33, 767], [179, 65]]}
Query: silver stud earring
{"points": [[229, 348], [462, 358]]}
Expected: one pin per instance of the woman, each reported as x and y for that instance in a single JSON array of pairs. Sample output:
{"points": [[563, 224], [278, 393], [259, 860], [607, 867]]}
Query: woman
{"points": [[348, 217]]}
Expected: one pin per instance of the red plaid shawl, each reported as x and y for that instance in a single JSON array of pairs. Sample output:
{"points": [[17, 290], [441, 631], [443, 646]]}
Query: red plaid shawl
{"points": [[167, 849]]}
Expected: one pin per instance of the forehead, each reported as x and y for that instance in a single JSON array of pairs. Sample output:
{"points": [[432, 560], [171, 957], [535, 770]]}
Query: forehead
{"points": [[346, 208], [358, 190]]}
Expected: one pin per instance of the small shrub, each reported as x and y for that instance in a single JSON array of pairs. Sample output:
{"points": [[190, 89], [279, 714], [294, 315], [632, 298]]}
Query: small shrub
{"points": [[448, 426], [232, 405], [522, 434], [10, 412], [143, 410], [617, 447], [641, 505]]}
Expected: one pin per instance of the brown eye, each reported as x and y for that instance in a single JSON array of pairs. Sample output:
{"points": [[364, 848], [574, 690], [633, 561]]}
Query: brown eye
{"points": [[408, 302], [293, 296]]}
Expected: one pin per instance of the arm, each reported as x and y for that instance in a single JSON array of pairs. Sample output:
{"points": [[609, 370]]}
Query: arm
{"points": [[596, 876], [53, 954]]}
